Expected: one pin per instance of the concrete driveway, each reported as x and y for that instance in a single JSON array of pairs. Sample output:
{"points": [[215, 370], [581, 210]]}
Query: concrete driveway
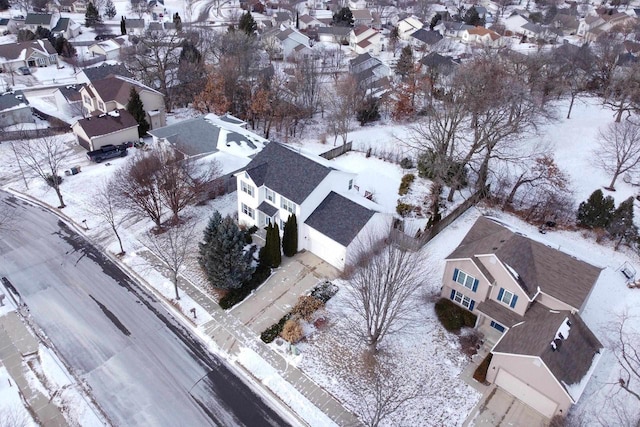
{"points": [[296, 276], [499, 408]]}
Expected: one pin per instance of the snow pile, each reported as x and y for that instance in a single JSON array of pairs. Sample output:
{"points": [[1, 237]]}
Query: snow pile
{"points": [[12, 410]]}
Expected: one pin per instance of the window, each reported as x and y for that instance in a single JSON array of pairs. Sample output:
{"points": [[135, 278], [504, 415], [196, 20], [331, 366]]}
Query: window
{"points": [[288, 205], [282, 223], [101, 105], [87, 100], [507, 297], [267, 220], [248, 211], [350, 184], [270, 195], [463, 300], [465, 280], [247, 188], [497, 326]]}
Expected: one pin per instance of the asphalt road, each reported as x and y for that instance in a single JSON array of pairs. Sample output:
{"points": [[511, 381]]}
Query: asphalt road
{"points": [[144, 368]]}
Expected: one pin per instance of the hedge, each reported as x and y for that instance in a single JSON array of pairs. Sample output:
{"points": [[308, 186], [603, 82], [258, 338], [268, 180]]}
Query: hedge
{"points": [[235, 296], [272, 332], [452, 316], [480, 374], [405, 184]]}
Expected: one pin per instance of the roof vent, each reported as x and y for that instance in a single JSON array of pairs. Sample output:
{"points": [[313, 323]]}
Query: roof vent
{"points": [[556, 344]]}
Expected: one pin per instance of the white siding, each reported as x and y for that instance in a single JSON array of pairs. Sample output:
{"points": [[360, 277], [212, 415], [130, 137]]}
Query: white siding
{"points": [[327, 249]]}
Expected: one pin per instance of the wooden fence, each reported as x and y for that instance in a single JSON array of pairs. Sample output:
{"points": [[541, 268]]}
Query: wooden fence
{"points": [[17, 135], [338, 151]]}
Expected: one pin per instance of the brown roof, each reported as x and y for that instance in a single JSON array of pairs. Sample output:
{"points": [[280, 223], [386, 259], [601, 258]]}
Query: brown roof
{"points": [[574, 354], [538, 266], [12, 51], [107, 123], [117, 88], [499, 312]]}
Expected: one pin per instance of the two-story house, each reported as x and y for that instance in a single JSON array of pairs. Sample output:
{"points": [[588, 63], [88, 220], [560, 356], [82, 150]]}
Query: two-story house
{"points": [[44, 20], [34, 53], [112, 93], [331, 215], [363, 39], [527, 297]]}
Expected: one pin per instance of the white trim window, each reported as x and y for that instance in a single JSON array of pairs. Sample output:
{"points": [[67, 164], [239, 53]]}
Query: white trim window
{"points": [[465, 279], [247, 188], [248, 211], [506, 297], [101, 106], [287, 205], [462, 299], [270, 195]]}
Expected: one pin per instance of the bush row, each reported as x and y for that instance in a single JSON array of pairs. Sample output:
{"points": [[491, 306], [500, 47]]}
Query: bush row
{"points": [[454, 317], [235, 296], [272, 332], [405, 184]]}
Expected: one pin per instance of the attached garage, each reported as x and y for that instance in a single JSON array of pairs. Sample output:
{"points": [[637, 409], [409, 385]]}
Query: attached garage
{"points": [[326, 248], [525, 393]]}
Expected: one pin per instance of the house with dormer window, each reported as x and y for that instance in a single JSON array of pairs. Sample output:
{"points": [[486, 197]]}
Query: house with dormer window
{"points": [[331, 215], [527, 297]]}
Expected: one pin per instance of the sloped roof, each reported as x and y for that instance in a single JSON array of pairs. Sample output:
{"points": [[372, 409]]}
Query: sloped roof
{"points": [[107, 123], [363, 57], [118, 88], [538, 266], [10, 100], [192, 136], [339, 218], [105, 70], [361, 14], [61, 25], [134, 23], [268, 209], [427, 36], [72, 92], [38, 19], [435, 60], [286, 172], [335, 31], [574, 354], [23, 50]]}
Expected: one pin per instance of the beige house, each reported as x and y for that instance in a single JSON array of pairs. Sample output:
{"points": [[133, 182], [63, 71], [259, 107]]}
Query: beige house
{"points": [[363, 39], [35, 53], [112, 93], [110, 49], [527, 297], [116, 127]]}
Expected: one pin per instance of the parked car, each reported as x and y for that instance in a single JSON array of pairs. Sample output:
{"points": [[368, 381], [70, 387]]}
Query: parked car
{"points": [[25, 71], [101, 37]]}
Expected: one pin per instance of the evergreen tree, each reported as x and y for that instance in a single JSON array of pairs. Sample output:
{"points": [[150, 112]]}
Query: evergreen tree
{"points": [[596, 211], [123, 26], [473, 18], [25, 35], [4, 5], [247, 24], [177, 21], [290, 236], [621, 226], [92, 16], [435, 20], [135, 107], [110, 9], [63, 47], [222, 255], [276, 252], [343, 17], [266, 253], [404, 66]]}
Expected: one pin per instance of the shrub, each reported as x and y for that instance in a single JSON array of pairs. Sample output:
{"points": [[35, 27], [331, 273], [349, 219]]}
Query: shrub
{"points": [[480, 374], [406, 163], [596, 211], [235, 296], [452, 316], [306, 306], [403, 209], [470, 341], [369, 111], [272, 332], [405, 184], [292, 331], [324, 291]]}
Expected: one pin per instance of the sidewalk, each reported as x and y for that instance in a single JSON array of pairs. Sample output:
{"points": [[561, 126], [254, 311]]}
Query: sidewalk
{"points": [[16, 341], [230, 334]]}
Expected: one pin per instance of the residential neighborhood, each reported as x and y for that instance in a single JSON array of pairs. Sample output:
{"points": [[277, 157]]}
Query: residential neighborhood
{"points": [[319, 213]]}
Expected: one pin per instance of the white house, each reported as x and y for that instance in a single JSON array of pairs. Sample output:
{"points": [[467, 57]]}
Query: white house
{"points": [[110, 49], [481, 36], [14, 109], [407, 26], [293, 43], [363, 39], [331, 215], [307, 22]]}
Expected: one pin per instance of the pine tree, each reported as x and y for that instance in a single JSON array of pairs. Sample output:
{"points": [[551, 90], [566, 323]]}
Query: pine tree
{"points": [[123, 26], [343, 18], [222, 255], [472, 17], [110, 9], [135, 107], [266, 253], [276, 254], [404, 66], [92, 16], [247, 24], [290, 236], [621, 226], [4, 5], [596, 211]]}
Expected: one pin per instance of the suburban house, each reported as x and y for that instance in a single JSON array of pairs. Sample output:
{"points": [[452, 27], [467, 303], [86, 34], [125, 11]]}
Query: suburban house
{"points": [[281, 19], [527, 297], [14, 109], [362, 17], [135, 26], [110, 49], [112, 93], [370, 73], [293, 43], [35, 53], [452, 29], [481, 36], [87, 75], [69, 100], [307, 22], [364, 39], [423, 40], [591, 27], [436, 64], [115, 127], [331, 215], [67, 28], [339, 35], [73, 6], [407, 26], [44, 20]]}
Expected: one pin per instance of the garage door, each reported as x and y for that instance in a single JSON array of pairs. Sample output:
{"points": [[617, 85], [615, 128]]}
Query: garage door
{"points": [[526, 394]]}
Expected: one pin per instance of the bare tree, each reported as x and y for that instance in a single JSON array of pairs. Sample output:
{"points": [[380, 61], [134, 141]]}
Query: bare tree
{"points": [[342, 106], [618, 150], [541, 174], [173, 247], [382, 279], [105, 203], [627, 352], [14, 416], [44, 157]]}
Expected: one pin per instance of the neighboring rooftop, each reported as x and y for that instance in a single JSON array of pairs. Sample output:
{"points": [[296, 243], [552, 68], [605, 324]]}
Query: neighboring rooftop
{"points": [[192, 137], [38, 19], [10, 100], [105, 70], [339, 218], [105, 124]]}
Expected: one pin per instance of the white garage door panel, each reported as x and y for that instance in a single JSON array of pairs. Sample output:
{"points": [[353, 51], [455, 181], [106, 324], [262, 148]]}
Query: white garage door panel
{"points": [[526, 394], [330, 251]]}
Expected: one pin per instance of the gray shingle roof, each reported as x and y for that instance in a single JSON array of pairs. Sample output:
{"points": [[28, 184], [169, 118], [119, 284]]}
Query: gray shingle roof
{"points": [[268, 209], [105, 70], [426, 36], [286, 172], [573, 358], [554, 272], [12, 99], [38, 19], [339, 218], [61, 25], [192, 137]]}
